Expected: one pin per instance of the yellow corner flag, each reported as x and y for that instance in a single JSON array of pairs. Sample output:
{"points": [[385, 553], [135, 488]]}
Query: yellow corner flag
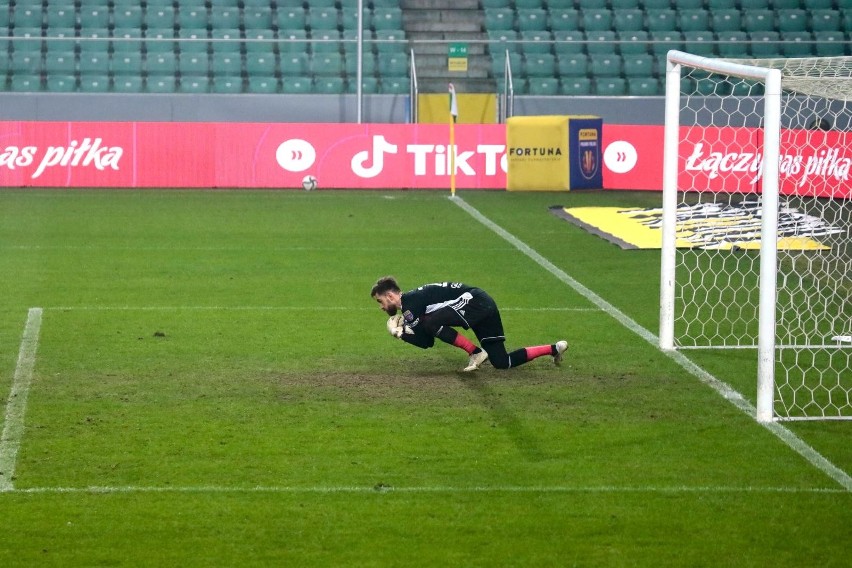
{"points": [[454, 115]]}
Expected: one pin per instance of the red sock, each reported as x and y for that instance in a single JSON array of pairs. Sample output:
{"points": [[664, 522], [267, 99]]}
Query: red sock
{"points": [[537, 351], [463, 342]]}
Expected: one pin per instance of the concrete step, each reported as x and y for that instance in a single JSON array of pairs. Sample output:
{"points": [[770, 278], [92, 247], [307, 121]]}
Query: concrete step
{"points": [[443, 16], [475, 85]]}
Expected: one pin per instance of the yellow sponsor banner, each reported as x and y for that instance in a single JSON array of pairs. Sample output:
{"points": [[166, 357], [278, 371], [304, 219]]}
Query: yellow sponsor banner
{"points": [[705, 227], [474, 108], [457, 64], [537, 153]]}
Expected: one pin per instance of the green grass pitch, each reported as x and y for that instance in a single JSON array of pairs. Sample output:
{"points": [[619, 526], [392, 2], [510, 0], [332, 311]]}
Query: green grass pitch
{"points": [[213, 385]]}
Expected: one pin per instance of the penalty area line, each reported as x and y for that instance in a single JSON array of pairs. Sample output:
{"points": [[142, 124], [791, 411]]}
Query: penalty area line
{"points": [[16, 405], [722, 388]]}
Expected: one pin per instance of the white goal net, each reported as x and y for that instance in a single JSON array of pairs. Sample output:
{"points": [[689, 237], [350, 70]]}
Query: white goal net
{"points": [[757, 246]]}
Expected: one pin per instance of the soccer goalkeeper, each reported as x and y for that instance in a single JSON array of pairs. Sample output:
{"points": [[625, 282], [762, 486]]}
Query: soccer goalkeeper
{"points": [[433, 310]]}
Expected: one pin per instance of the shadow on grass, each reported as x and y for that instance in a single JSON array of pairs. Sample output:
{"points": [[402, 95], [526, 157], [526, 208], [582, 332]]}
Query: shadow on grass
{"points": [[514, 427]]}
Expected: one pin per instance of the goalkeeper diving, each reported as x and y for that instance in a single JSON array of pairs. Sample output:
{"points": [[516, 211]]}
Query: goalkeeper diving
{"points": [[432, 311]]}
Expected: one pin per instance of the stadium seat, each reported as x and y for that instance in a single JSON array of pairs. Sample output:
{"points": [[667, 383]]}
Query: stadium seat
{"points": [[700, 43], [734, 44], [227, 84], [596, 20], [27, 16], [605, 65], [296, 85], [748, 5], [226, 39], [329, 85], [225, 63], [295, 64], [161, 84], [390, 41], [93, 60], [262, 84], [812, 5], [159, 18], [711, 86], [502, 40], [63, 15], [664, 20], [792, 21], [531, 20], [725, 20], [61, 83], [25, 83], [797, 44], [572, 65], [569, 42], [322, 19], [224, 17], [656, 4], [689, 4], [602, 42], [194, 84], [536, 42], [759, 21], [498, 63], [527, 4], [747, 89], [826, 21], [617, 5], [395, 85], [765, 44], [564, 19], [194, 17], [663, 41], [643, 87], [126, 17], [693, 20], [128, 84], [628, 20], [499, 19], [257, 18], [262, 64], [126, 63], [290, 18], [539, 65], [392, 65], [631, 43], [610, 86], [785, 4], [94, 83], [190, 63], [576, 86], [543, 86], [829, 44], [325, 41], [292, 41], [164, 63], [60, 62], [260, 41], [387, 19], [716, 5], [638, 65]]}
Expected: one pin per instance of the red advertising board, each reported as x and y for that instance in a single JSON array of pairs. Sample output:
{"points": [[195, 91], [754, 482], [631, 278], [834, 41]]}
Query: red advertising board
{"points": [[262, 155]]}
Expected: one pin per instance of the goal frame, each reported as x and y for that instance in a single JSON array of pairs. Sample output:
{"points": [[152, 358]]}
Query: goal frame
{"points": [[771, 79]]}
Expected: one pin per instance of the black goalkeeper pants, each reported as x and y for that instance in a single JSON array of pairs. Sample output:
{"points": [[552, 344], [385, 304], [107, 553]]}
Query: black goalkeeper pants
{"points": [[480, 315]]}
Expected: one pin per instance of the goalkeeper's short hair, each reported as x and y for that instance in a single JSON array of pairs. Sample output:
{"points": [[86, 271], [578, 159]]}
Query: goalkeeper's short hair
{"points": [[384, 285]]}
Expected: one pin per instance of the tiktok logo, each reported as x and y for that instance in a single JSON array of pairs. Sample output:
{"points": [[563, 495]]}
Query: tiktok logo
{"points": [[380, 147]]}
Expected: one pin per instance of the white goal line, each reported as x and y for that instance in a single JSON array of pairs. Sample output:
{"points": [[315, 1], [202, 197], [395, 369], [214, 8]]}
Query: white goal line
{"points": [[285, 308], [382, 488]]}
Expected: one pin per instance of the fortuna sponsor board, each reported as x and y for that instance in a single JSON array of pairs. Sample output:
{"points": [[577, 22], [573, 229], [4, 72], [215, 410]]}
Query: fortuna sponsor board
{"points": [[244, 155]]}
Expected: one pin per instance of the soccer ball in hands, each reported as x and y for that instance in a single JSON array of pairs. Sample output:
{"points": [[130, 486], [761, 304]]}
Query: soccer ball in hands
{"points": [[309, 183]]}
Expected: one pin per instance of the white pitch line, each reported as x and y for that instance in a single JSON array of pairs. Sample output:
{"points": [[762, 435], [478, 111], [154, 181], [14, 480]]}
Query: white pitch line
{"points": [[277, 308], [428, 489], [725, 390], [16, 406]]}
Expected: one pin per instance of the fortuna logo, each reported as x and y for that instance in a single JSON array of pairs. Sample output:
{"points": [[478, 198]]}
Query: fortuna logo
{"points": [[536, 152]]}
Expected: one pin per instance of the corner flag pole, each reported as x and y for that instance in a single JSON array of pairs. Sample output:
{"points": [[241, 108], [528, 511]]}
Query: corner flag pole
{"points": [[454, 114]]}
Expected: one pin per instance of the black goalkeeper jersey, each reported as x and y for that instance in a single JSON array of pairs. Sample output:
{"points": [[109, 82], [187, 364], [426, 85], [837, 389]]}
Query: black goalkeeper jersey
{"points": [[433, 297]]}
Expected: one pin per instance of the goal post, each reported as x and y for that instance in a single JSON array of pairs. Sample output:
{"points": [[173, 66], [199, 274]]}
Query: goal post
{"points": [[756, 254]]}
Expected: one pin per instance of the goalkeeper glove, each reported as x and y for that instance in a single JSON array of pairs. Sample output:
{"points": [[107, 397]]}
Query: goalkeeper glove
{"points": [[397, 327]]}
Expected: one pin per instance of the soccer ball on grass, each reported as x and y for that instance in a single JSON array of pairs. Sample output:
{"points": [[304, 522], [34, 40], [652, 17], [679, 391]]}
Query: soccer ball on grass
{"points": [[309, 183]]}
